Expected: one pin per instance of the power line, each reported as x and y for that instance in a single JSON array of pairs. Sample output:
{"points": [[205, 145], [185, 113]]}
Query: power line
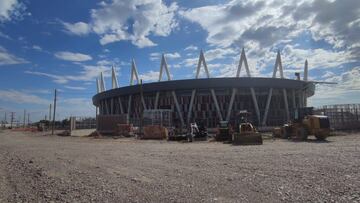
{"points": [[50, 113]]}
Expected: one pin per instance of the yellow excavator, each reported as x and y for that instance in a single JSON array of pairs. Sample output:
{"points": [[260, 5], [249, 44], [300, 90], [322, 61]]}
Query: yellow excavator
{"points": [[303, 125], [245, 135]]}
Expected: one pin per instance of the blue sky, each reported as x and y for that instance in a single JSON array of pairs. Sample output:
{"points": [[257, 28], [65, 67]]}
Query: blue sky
{"points": [[66, 44]]}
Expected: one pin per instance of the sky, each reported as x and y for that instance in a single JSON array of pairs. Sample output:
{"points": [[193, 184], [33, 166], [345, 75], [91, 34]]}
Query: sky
{"points": [[64, 45]]}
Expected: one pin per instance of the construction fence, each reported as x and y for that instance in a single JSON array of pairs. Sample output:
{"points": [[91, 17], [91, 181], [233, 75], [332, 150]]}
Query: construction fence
{"points": [[342, 116], [108, 123], [77, 122]]}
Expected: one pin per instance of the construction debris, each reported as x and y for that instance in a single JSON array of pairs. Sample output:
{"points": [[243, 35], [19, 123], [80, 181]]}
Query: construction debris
{"points": [[125, 130], [154, 132], [95, 134]]}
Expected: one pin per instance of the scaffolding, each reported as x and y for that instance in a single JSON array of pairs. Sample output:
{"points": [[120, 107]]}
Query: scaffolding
{"points": [[342, 116]]}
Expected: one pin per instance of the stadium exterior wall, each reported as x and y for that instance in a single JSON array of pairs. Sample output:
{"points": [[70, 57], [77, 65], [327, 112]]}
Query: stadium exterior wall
{"points": [[204, 109]]}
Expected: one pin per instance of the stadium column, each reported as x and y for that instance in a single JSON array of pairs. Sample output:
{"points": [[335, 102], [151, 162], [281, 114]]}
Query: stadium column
{"points": [[112, 106], [278, 65], [233, 94], [178, 108], [98, 91], [121, 106], [106, 106], [255, 104], [191, 105], [243, 59], [293, 98], [286, 105], [212, 91], [115, 84], [97, 86], [267, 106], [164, 65], [102, 83], [134, 75]]}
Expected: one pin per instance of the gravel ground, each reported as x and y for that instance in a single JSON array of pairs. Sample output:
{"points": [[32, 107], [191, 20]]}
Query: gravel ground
{"points": [[38, 168]]}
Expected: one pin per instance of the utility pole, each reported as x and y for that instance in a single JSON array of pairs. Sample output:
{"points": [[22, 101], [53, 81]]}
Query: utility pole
{"points": [[53, 123], [24, 118], [141, 109], [50, 113], [12, 119], [28, 119], [5, 118]]}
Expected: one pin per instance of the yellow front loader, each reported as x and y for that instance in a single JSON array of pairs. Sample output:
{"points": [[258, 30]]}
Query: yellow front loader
{"points": [[316, 125]]}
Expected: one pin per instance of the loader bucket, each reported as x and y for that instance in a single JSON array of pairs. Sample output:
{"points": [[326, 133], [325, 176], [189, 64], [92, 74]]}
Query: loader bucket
{"points": [[247, 139]]}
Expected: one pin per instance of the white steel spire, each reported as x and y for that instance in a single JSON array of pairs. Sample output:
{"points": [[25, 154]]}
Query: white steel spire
{"points": [[102, 82], [114, 80], [306, 71]]}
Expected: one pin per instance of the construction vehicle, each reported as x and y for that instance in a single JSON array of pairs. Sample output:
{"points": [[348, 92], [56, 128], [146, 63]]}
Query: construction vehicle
{"points": [[198, 133], [224, 132], [246, 133], [303, 125]]}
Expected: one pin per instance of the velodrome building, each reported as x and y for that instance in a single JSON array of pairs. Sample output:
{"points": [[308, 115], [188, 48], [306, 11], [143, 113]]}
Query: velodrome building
{"points": [[271, 101]]}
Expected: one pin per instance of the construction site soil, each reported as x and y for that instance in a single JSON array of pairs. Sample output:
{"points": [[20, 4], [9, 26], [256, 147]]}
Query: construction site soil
{"points": [[39, 168]]}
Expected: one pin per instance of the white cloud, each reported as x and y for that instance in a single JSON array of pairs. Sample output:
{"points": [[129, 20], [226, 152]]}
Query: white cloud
{"points": [[38, 91], [225, 23], [75, 107], [150, 76], [172, 55], [328, 74], [8, 59], [156, 56], [293, 60], [190, 62], [212, 55], [56, 78], [11, 9], [3, 35], [348, 86], [79, 28], [21, 97], [240, 22], [105, 63], [88, 73], [262, 25], [37, 48], [191, 48], [318, 58], [111, 21], [74, 87], [70, 56], [220, 53]]}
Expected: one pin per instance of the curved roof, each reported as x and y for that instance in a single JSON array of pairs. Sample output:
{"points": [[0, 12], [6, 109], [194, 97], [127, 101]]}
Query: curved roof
{"points": [[206, 83]]}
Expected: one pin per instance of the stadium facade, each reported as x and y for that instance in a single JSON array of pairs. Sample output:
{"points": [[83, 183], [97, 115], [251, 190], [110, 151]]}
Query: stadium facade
{"points": [[271, 101]]}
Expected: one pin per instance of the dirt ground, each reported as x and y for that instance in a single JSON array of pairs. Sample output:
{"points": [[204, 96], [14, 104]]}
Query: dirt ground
{"points": [[38, 168]]}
